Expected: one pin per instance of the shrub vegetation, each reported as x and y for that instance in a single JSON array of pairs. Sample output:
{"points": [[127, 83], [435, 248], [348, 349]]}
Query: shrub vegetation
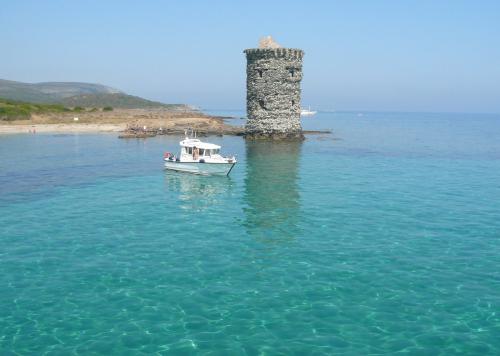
{"points": [[18, 110]]}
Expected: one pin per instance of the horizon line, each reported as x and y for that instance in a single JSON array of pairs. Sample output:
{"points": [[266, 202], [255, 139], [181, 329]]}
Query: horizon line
{"points": [[371, 111]]}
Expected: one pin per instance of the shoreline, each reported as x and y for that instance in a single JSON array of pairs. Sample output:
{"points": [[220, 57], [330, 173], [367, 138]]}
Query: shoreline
{"points": [[115, 128], [126, 121], [61, 128]]}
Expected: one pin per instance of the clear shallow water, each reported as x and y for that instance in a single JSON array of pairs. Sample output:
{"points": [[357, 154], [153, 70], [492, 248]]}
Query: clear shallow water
{"points": [[382, 238]]}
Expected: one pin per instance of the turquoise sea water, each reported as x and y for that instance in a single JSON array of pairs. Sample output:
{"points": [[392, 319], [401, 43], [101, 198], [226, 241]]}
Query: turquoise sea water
{"points": [[381, 238]]}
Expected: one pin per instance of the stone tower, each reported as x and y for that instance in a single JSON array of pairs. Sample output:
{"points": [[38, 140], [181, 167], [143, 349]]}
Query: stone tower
{"points": [[273, 91]]}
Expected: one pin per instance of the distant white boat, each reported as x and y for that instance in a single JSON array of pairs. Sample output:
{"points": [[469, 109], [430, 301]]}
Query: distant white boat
{"points": [[307, 112], [199, 158]]}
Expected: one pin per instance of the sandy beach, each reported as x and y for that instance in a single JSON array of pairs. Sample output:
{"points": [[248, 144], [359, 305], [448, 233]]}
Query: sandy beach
{"points": [[118, 121], [61, 128]]}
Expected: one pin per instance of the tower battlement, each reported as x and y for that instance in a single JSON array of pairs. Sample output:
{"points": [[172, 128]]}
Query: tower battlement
{"points": [[273, 92], [269, 53]]}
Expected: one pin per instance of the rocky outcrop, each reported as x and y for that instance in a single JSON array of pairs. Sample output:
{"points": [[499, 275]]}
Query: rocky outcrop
{"points": [[202, 127]]}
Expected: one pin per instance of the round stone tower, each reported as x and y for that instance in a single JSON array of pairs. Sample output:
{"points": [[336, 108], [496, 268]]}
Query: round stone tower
{"points": [[273, 91]]}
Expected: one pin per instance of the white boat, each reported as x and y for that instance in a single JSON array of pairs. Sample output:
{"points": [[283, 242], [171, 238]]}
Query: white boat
{"points": [[199, 158], [307, 112]]}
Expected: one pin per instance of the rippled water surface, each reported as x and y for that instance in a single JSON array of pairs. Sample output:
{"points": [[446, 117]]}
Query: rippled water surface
{"points": [[381, 238]]}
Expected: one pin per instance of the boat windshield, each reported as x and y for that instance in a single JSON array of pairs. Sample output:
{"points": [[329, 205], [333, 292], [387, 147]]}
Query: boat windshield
{"points": [[212, 152], [207, 152]]}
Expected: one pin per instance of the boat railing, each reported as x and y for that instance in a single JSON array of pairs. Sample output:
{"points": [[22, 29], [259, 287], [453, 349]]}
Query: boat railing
{"points": [[190, 133]]}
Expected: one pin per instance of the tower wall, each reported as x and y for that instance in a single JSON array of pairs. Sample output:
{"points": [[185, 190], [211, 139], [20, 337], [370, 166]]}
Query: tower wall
{"points": [[273, 92]]}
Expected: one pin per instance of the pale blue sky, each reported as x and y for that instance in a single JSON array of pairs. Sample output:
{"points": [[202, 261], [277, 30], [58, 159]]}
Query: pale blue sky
{"points": [[360, 55]]}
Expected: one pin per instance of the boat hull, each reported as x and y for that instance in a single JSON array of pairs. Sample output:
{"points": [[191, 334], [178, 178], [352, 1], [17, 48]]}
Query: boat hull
{"points": [[308, 113], [200, 168]]}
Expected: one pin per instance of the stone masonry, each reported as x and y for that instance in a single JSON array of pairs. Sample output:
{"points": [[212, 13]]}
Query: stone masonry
{"points": [[273, 92]]}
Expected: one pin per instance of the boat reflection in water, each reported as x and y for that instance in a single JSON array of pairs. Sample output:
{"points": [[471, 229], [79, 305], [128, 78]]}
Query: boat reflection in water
{"points": [[198, 193], [271, 190]]}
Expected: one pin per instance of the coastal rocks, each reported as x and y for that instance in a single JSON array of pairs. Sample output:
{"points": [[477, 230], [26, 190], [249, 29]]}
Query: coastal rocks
{"points": [[278, 136], [203, 128], [273, 92], [137, 135]]}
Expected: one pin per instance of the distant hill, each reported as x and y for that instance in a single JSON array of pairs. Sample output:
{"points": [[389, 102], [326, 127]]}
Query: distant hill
{"points": [[49, 92], [115, 100], [75, 94]]}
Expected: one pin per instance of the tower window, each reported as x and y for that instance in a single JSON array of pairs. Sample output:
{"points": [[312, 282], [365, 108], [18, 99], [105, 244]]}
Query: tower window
{"points": [[292, 72], [262, 104], [260, 72], [293, 102]]}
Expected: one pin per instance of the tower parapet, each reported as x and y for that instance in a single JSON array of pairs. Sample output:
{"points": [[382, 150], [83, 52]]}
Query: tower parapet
{"points": [[273, 92], [268, 53]]}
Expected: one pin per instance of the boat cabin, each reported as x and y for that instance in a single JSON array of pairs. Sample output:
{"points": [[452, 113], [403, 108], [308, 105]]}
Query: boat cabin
{"points": [[202, 151], [205, 150]]}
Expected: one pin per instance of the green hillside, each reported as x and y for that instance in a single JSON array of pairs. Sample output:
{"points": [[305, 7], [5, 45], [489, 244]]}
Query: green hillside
{"points": [[23, 92], [116, 100], [49, 92], [76, 94], [18, 110]]}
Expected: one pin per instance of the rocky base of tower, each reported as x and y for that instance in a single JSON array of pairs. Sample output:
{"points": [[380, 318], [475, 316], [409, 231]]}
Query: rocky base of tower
{"points": [[275, 136]]}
